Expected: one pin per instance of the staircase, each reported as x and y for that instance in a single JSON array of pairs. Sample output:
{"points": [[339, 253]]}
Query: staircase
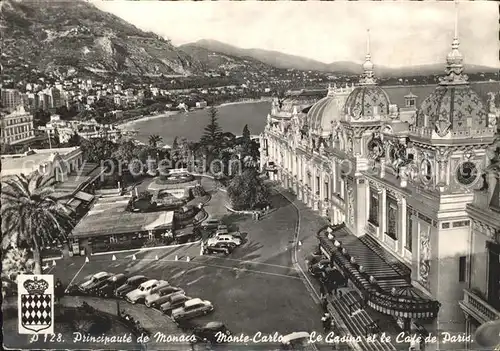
{"points": [[392, 261], [358, 320]]}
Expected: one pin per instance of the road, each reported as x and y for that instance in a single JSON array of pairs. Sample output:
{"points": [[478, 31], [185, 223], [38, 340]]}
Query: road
{"points": [[255, 289]]}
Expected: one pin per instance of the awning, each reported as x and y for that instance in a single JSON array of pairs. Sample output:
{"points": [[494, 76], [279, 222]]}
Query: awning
{"points": [[81, 195], [403, 300]]}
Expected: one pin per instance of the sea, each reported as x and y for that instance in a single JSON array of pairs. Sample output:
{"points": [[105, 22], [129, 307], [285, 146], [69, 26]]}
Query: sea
{"points": [[231, 117]]}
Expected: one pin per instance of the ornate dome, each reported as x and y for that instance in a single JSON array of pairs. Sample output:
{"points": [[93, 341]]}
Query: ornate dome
{"points": [[367, 101], [321, 115], [452, 107]]}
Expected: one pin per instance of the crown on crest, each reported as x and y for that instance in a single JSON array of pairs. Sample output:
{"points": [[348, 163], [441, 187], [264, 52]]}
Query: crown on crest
{"points": [[35, 286]]}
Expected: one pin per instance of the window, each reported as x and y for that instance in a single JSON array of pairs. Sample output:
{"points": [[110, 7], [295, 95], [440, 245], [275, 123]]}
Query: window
{"points": [[409, 229], [461, 268], [373, 214], [392, 218]]}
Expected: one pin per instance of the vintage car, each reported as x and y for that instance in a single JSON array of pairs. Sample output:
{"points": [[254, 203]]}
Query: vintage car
{"points": [[94, 281], [297, 341], [210, 224], [192, 308], [218, 247], [143, 290], [162, 296], [225, 238], [109, 285], [211, 332], [174, 301], [131, 284]]}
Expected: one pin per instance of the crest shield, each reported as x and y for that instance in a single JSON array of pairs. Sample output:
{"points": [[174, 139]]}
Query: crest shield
{"points": [[36, 304]]}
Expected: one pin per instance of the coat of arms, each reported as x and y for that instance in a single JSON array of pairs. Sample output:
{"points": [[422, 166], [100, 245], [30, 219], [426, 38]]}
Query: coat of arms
{"points": [[36, 304]]}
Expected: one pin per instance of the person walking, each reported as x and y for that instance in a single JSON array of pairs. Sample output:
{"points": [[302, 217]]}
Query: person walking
{"points": [[324, 303], [59, 290]]}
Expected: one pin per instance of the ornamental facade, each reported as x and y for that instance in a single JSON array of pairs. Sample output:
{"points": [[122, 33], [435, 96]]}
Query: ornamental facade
{"points": [[406, 176]]}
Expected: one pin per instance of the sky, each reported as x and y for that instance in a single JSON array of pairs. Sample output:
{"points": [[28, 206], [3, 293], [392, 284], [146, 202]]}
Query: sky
{"points": [[401, 33]]}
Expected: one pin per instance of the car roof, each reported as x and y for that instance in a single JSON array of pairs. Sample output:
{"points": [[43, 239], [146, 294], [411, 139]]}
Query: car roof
{"points": [[178, 297], [117, 276], [101, 274], [169, 288], [193, 302], [149, 283], [213, 325], [294, 336], [136, 278]]}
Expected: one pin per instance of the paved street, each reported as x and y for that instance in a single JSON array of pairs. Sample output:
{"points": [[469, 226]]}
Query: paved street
{"points": [[255, 289]]}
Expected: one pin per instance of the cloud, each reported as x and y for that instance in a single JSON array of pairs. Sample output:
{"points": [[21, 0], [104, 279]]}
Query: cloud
{"points": [[402, 33]]}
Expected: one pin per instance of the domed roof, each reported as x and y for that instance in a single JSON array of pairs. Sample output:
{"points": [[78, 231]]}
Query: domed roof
{"points": [[367, 101], [452, 107], [321, 115]]}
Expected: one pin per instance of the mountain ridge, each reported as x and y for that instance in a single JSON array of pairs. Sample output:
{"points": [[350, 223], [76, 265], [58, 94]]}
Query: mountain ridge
{"points": [[51, 36], [287, 61]]}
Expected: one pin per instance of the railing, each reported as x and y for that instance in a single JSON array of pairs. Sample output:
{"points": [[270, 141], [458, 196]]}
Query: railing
{"points": [[479, 306]]}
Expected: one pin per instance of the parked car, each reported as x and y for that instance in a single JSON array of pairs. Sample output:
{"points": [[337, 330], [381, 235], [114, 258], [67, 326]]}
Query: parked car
{"points": [[94, 280], [139, 294], [210, 224], [175, 300], [219, 247], [108, 286], [163, 296], [192, 308], [210, 332], [131, 284], [155, 292], [226, 238], [297, 341]]}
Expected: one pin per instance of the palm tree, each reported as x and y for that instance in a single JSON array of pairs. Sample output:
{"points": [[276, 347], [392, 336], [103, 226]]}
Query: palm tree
{"points": [[31, 217], [154, 140]]}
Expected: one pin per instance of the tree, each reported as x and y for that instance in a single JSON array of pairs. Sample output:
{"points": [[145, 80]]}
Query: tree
{"points": [[125, 151], [155, 140], [74, 140], [245, 135], [212, 136], [31, 217], [97, 149], [247, 190]]}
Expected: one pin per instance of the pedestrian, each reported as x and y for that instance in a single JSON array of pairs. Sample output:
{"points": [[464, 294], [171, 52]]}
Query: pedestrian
{"points": [[59, 290], [324, 322], [324, 303]]}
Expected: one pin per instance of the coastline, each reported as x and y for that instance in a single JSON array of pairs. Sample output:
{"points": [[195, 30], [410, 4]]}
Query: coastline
{"points": [[241, 102], [131, 122]]}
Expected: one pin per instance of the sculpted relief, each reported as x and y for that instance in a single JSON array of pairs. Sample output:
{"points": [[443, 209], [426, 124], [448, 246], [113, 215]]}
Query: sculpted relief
{"points": [[425, 258]]}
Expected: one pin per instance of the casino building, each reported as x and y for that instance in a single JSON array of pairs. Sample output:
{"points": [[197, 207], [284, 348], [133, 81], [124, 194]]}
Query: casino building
{"points": [[409, 185]]}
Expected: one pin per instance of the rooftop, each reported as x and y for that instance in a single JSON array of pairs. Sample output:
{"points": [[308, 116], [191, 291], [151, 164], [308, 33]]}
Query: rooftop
{"points": [[30, 161], [110, 216]]}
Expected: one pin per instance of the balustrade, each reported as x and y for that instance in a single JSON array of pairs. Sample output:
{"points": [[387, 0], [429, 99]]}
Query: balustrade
{"points": [[479, 307]]}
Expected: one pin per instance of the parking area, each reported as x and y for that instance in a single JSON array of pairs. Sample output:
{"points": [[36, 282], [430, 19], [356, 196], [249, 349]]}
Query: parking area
{"points": [[255, 289]]}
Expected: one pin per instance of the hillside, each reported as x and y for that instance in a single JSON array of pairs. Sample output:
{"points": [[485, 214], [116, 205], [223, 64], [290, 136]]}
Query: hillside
{"points": [[61, 36], [281, 60], [219, 61]]}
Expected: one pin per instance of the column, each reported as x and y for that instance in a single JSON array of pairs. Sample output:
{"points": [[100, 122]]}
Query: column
{"points": [[402, 223], [383, 211], [368, 202]]}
